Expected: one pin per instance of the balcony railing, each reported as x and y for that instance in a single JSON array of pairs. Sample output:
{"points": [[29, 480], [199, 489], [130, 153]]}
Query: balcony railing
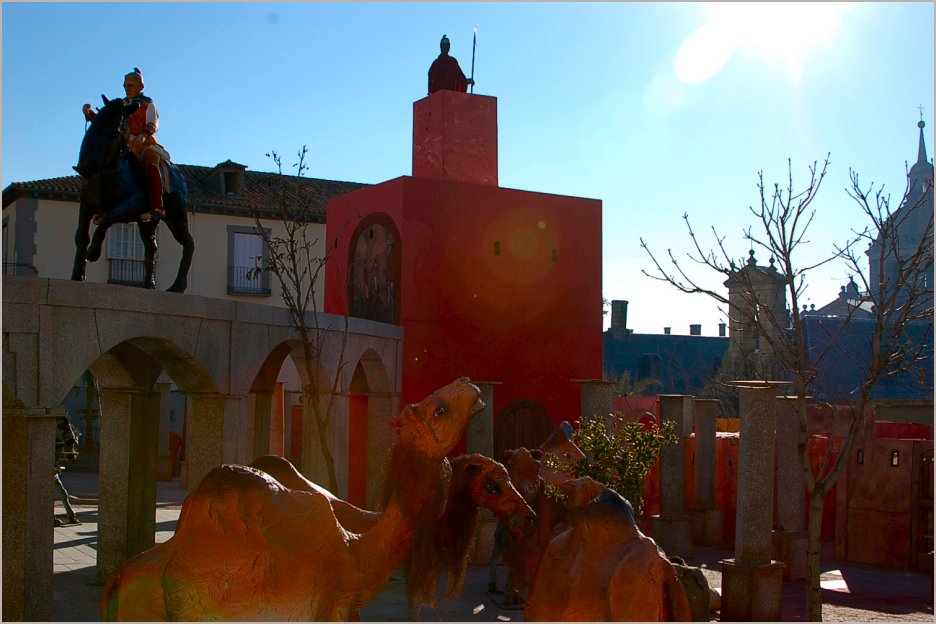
{"points": [[240, 284], [125, 271]]}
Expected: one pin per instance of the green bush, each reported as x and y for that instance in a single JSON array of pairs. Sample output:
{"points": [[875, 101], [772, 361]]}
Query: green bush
{"points": [[620, 460]]}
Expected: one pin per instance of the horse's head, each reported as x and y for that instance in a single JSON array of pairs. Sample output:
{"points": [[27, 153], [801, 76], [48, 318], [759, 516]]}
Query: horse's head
{"points": [[105, 138]]}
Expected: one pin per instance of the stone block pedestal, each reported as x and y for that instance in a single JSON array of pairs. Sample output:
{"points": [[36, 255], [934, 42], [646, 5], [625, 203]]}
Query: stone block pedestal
{"points": [[751, 592], [790, 547], [480, 554], [707, 526], [673, 535]]}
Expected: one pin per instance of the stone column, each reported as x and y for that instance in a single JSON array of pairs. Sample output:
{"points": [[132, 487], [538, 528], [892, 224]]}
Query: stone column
{"points": [[752, 583], [596, 399], [336, 436], [707, 517], [28, 457], [204, 440], [790, 539], [480, 439], [480, 431], [164, 469], [277, 421], [672, 529], [127, 482], [380, 438], [263, 402]]}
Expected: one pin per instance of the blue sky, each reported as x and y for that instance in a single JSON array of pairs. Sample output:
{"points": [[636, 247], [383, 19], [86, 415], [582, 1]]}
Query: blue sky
{"points": [[657, 109]]}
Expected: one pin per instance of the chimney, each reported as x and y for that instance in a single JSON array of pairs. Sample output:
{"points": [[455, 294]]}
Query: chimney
{"points": [[722, 330], [666, 331], [695, 330], [619, 318]]}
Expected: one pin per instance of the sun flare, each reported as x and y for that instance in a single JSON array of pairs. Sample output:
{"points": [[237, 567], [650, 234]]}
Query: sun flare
{"points": [[781, 34]]}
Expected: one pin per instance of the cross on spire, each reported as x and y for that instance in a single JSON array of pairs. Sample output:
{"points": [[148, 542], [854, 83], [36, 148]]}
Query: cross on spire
{"points": [[920, 107]]}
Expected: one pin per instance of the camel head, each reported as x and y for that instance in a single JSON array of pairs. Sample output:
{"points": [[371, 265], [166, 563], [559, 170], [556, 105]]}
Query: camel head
{"points": [[523, 467], [489, 486], [560, 444], [435, 424], [579, 492]]}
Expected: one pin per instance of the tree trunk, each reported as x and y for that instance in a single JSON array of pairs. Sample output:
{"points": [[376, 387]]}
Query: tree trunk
{"points": [[311, 397], [813, 562]]}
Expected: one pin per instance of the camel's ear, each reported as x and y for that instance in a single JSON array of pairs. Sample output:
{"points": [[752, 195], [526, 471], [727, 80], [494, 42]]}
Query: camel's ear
{"points": [[474, 469], [536, 454]]}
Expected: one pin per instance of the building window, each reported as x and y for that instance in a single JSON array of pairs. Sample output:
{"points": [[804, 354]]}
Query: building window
{"points": [[247, 252], [125, 255]]}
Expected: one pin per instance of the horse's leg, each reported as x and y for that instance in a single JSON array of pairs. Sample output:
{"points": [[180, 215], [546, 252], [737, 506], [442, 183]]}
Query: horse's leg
{"points": [[82, 238], [97, 239], [177, 220], [147, 232]]}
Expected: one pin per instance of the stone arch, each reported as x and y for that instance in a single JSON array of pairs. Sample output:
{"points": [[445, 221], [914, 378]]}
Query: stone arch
{"points": [[522, 423], [371, 404]]}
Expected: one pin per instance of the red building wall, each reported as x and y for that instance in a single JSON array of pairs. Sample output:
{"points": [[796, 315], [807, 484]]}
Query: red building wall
{"points": [[497, 284]]}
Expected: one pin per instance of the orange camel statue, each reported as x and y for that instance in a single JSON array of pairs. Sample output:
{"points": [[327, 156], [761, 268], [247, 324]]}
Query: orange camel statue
{"points": [[477, 481], [248, 548], [604, 569]]}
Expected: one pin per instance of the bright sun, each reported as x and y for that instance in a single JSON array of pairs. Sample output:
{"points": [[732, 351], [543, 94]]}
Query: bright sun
{"points": [[783, 33]]}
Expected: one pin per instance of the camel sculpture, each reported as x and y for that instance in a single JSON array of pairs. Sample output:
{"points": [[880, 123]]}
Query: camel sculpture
{"points": [[477, 481], [248, 548], [604, 569], [530, 474]]}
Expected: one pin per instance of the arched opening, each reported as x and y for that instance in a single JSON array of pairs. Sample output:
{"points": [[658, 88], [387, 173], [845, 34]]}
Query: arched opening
{"points": [[370, 406], [373, 289], [523, 423]]}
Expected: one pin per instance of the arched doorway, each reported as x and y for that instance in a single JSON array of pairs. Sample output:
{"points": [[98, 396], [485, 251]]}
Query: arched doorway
{"points": [[370, 407], [522, 423]]}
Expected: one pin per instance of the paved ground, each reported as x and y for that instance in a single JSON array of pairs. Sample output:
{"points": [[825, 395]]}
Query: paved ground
{"points": [[851, 592]]}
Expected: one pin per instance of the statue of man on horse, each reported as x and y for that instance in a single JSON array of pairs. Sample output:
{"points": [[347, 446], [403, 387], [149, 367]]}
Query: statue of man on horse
{"points": [[128, 177]]}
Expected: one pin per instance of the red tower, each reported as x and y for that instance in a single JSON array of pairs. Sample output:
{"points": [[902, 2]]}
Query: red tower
{"points": [[498, 284]]}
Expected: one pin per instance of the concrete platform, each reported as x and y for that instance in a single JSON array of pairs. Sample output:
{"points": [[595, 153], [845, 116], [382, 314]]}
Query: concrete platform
{"points": [[851, 592]]}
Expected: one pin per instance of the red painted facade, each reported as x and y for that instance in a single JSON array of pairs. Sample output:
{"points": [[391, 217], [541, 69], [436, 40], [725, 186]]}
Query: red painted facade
{"points": [[498, 284]]}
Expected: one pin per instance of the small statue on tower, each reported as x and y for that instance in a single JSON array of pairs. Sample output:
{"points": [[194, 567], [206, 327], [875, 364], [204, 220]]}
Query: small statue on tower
{"points": [[445, 73]]}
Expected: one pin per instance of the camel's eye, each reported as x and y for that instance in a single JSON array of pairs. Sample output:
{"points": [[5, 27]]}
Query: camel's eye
{"points": [[440, 412], [492, 487]]}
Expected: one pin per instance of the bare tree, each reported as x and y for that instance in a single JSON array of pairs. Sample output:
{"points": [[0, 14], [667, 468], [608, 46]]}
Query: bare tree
{"points": [[293, 260], [772, 341]]}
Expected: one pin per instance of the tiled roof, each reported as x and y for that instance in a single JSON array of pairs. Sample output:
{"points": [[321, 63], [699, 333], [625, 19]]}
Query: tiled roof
{"points": [[684, 364], [260, 191]]}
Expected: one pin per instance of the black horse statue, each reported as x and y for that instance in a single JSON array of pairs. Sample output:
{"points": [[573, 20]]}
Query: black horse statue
{"points": [[114, 188]]}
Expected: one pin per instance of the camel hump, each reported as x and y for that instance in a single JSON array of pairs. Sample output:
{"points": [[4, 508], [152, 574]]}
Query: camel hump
{"points": [[610, 502], [287, 474]]}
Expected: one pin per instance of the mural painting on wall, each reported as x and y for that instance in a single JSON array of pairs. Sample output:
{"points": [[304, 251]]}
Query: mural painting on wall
{"points": [[374, 274]]}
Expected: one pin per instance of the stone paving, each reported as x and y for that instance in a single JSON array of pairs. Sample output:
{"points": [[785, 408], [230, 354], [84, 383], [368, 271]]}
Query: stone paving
{"points": [[851, 592]]}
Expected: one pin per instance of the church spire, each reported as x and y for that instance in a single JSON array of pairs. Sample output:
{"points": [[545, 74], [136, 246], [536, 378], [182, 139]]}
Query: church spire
{"points": [[921, 153]]}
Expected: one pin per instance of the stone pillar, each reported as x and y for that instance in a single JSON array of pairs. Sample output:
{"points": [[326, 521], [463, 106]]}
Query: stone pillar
{"points": [[277, 421], [596, 399], [263, 402], [480, 439], [380, 438], [28, 457], [127, 482], [707, 518], [480, 431], [790, 539], [336, 436], [164, 468], [204, 440], [752, 582], [672, 529]]}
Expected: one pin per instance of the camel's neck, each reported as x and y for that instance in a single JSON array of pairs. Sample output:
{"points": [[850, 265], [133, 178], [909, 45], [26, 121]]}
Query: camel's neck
{"points": [[415, 493]]}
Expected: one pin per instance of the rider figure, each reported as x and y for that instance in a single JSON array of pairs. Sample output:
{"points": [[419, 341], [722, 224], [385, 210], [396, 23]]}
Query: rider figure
{"points": [[143, 124]]}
